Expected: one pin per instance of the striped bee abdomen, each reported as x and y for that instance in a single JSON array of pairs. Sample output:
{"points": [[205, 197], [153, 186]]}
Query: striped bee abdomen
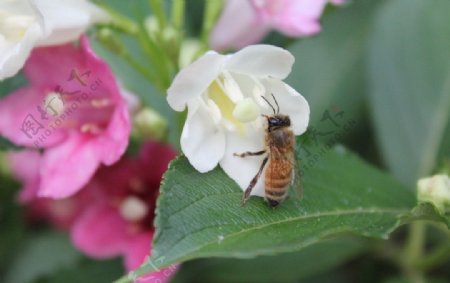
{"points": [[278, 177]]}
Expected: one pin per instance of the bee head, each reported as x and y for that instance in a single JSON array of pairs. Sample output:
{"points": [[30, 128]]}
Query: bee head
{"points": [[278, 121]]}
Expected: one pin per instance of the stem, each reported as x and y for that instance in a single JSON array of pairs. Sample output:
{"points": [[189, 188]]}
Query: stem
{"points": [[414, 244], [435, 258], [178, 11], [413, 252], [158, 9], [157, 57], [155, 54], [212, 10], [123, 279], [119, 21], [139, 67], [110, 42], [178, 8]]}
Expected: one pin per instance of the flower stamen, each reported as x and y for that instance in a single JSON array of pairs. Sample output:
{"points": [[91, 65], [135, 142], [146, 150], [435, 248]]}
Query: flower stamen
{"points": [[246, 110], [100, 103], [53, 104], [133, 209], [90, 128]]}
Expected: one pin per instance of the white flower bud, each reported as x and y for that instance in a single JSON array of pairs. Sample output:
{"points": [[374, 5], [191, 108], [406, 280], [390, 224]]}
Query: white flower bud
{"points": [[188, 52], [149, 124], [152, 26], [435, 189]]}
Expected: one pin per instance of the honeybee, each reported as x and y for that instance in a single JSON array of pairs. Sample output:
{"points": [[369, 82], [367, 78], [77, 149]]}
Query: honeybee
{"points": [[280, 160]]}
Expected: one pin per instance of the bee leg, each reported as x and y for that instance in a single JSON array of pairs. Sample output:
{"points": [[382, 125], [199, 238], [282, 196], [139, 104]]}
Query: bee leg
{"points": [[248, 153], [253, 182]]}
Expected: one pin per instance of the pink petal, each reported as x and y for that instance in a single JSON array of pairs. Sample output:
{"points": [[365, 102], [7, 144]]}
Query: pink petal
{"points": [[114, 141], [60, 213], [113, 182], [137, 249], [21, 107], [299, 18], [80, 69], [137, 252], [25, 167], [69, 165], [100, 70], [233, 31], [100, 232], [66, 168], [112, 144], [53, 65], [161, 276], [156, 156]]}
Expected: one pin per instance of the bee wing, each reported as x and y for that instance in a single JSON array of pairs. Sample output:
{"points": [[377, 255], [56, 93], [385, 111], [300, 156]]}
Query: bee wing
{"points": [[296, 188]]}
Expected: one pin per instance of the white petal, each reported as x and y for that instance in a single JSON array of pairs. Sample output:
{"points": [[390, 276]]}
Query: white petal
{"points": [[255, 89], [66, 20], [291, 103], [194, 79], [231, 88], [202, 141], [242, 170], [20, 28], [261, 61], [14, 54]]}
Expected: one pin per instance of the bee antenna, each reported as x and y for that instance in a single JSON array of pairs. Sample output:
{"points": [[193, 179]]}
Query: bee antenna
{"points": [[276, 102], [271, 106]]}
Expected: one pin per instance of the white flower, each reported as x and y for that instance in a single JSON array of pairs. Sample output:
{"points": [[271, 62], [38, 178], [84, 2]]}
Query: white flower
{"points": [[435, 189], [223, 94], [25, 24]]}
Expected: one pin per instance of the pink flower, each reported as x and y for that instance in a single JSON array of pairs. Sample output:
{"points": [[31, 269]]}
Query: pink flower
{"points": [[73, 109], [113, 214], [60, 212], [246, 22], [118, 217]]}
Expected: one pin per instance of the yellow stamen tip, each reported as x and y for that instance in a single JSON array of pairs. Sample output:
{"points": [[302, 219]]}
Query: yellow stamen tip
{"points": [[246, 110]]}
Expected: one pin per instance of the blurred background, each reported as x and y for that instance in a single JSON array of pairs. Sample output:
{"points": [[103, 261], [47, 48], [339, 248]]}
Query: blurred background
{"points": [[382, 65]]}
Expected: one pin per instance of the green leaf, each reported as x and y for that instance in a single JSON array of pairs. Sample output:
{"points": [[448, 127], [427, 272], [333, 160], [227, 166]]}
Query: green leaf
{"points": [[410, 76], [41, 256], [327, 69], [5, 144], [427, 211], [199, 215], [287, 267], [13, 230], [6, 87], [11, 84]]}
